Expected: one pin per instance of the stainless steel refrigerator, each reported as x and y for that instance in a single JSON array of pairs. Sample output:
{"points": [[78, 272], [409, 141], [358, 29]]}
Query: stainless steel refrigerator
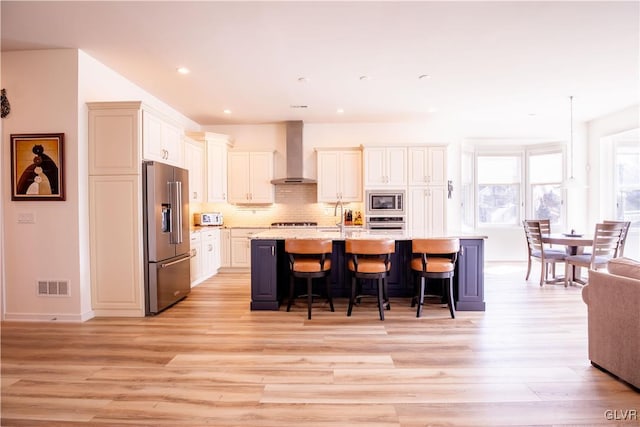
{"points": [[166, 234]]}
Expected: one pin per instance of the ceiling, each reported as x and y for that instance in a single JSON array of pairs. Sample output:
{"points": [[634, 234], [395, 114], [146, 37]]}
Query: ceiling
{"points": [[484, 64]]}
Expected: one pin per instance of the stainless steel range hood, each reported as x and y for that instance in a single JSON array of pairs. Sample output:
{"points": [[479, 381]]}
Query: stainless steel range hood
{"points": [[294, 155]]}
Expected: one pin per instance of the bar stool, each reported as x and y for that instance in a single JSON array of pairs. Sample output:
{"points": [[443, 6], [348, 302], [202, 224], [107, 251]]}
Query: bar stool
{"points": [[308, 260], [370, 259], [436, 260]]}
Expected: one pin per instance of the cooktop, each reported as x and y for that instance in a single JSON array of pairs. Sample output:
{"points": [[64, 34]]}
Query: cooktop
{"points": [[294, 224]]}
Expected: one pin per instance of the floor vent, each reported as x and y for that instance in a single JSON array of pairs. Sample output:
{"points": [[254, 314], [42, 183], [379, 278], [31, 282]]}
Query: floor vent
{"points": [[53, 287]]}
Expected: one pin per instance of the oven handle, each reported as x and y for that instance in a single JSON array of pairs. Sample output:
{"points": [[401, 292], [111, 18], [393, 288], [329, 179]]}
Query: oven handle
{"points": [[398, 227]]}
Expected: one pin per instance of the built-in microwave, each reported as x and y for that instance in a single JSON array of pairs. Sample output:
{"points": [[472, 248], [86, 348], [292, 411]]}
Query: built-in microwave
{"points": [[385, 202]]}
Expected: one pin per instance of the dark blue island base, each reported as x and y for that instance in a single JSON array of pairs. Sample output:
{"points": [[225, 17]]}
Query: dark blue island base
{"points": [[270, 274]]}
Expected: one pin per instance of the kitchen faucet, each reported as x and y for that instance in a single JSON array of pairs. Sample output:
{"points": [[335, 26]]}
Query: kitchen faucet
{"points": [[335, 212]]}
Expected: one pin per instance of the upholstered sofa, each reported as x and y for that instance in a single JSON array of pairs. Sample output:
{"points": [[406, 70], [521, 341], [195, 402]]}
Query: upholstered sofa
{"points": [[613, 301]]}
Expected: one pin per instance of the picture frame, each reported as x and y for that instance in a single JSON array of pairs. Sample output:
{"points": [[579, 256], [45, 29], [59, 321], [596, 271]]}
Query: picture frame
{"points": [[37, 167]]}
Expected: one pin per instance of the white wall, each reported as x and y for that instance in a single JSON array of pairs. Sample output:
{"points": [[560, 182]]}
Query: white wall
{"points": [[48, 91], [43, 93]]}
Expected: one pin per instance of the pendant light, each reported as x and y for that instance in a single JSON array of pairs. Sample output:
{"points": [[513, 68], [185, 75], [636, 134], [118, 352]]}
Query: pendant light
{"points": [[571, 177], [571, 181]]}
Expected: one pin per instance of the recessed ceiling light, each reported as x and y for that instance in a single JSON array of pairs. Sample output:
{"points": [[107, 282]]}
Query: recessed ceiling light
{"points": [[432, 110], [340, 110], [424, 76], [226, 111], [364, 78], [299, 106], [303, 79], [183, 70]]}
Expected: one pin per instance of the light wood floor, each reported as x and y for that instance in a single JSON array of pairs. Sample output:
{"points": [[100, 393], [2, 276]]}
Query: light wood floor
{"points": [[211, 361]]}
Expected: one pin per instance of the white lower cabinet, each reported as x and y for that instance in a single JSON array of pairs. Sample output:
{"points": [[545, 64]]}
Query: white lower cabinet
{"points": [[211, 251], [241, 246], [205, 251], [196, 257], [225, 248]]}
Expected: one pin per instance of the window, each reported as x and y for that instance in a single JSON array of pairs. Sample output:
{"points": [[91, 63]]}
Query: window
{"points": [[512, 185], [499, 182], [627, 182], [545, 183]]}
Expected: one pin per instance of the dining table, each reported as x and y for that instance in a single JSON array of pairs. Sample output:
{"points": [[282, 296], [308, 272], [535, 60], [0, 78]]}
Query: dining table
{"points": [[574, 245]]}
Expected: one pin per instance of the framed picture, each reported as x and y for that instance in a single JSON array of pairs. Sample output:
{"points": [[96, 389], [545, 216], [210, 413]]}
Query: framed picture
{"points": [[37, 166]]}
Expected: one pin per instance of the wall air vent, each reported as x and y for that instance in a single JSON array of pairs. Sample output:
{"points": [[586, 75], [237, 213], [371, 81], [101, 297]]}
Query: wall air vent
{"points": [[53, 287]]}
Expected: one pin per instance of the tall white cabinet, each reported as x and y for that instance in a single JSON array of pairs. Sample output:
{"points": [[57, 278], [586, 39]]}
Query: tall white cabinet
{"points": [[121, 136], [194, 162], [427, 191]]}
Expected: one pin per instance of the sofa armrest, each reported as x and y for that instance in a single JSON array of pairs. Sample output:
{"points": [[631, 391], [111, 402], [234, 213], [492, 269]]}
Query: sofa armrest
{"points": [[614, 324]]}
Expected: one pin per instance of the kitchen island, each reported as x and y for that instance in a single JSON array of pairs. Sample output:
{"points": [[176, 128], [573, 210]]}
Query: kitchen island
{"points": [[270, 267]]}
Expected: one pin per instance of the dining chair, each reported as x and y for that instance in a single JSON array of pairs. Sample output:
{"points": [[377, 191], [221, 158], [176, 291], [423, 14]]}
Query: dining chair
{"points": [[434, 258], [606, 241], [309, 259], [623, 235], [369, 259], [537, 251]]}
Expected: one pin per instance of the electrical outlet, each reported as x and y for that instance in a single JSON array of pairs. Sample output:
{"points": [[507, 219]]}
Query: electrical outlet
{"points": [[26, 218]]}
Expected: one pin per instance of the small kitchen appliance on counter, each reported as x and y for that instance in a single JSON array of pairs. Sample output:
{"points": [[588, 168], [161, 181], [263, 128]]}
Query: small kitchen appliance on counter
{"points": [[208, 218]]}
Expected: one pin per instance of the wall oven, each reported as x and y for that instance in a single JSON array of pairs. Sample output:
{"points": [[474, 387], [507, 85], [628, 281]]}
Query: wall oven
{"points": [[385, 202], [386, 224]]}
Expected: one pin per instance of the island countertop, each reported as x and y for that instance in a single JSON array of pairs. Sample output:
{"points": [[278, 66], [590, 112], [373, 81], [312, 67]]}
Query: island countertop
{"points": [[319, 233]]}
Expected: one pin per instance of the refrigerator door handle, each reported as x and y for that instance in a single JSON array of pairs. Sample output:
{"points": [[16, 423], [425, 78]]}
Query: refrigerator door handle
{"points": [[168, 264], [178, 222], [175, 196]]}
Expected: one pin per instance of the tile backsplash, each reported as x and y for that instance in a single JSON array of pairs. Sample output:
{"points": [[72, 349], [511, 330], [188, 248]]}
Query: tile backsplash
{"points": [[293, 203]]}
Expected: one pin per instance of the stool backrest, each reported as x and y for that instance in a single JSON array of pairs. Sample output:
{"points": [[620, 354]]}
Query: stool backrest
{"points": [[370, 246], [436, 245], [308, 246]]}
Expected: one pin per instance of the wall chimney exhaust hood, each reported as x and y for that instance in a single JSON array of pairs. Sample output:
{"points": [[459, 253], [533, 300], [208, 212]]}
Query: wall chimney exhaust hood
{"points": [[294, 156]]}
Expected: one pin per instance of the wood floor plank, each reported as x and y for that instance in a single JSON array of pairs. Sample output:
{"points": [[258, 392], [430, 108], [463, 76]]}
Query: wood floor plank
{"points": [[209, 360]]}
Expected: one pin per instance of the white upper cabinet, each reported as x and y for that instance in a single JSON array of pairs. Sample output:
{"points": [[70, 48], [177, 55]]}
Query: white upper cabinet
{"points": [[339, 175], [216, 171], [249, 177], [194, 162], [216, 147], [115, 132], [385, 167], [428, 165], [161, 140]]}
